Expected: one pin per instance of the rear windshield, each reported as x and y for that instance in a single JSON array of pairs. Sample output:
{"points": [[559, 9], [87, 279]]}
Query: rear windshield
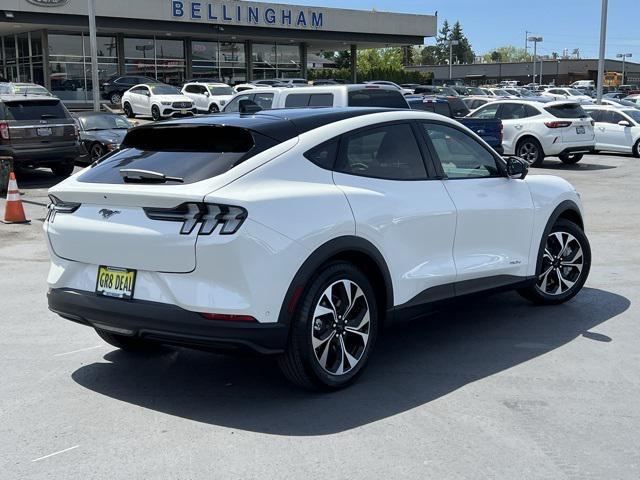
{"points": [[376, 98], [567, 110], [458, 107], [190, 152], [35, 110]]}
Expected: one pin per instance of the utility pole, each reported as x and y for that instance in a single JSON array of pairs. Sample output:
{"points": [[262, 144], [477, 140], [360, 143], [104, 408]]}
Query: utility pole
{"points": [[623, 56], [535, 41], [451, 44], [93, 45], [603, 40], [526, 43]]}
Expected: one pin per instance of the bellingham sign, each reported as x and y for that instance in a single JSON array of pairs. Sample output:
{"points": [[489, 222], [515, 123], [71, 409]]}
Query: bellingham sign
{"points": [[252, 14]]}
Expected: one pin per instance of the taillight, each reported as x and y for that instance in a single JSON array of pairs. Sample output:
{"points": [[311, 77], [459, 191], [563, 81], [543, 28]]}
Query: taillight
{"points": [[557, 124], [58, 206], [76, 131], [209, 216], [593, 123], [4, 130]]}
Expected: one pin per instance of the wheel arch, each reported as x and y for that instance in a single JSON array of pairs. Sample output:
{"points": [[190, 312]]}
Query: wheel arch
{"points": [[566, 210], [356, 250]]}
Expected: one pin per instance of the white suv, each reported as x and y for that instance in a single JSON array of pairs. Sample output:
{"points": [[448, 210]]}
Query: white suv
{"points": [[356, 95], [534, 131], [208, 97], [157, 100], [617, 129], [300, 232]]}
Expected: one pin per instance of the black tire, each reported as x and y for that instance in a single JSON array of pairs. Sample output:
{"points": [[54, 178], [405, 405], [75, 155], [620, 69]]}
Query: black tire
{"points": [[63, 169], [155, 113], [97, 151], [128, 111], [129, 344], [539, 293], [529, 149], [213, 108], [115, 98], [300, 363], [570, 158], [636, 149]]}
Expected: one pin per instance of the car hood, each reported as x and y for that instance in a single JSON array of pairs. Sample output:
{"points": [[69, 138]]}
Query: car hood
{"points": [[105, 136], [172, 98]]}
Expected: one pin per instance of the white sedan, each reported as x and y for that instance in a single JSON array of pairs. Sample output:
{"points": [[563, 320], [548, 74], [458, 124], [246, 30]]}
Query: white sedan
{"points": [[208, 97], [567, 94], [617, 129], [158, 101]]}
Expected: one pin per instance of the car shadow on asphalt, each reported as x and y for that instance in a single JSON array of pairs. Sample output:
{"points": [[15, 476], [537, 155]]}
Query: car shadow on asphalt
{"points": [[36, 178], [413, 364], [580, 166]]}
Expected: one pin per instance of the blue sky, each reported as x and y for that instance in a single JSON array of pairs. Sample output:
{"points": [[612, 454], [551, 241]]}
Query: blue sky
{"points": [[494, 23]]}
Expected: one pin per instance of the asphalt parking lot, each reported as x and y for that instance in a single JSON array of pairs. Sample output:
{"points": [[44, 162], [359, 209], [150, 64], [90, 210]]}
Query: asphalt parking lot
{"points": [[492, 388]]}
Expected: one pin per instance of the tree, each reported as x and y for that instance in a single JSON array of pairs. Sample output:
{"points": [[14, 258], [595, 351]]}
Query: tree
{"points": [[428, 55], [342, 59], [462, 52], [507, 53], [442, 43], [380, 58]]}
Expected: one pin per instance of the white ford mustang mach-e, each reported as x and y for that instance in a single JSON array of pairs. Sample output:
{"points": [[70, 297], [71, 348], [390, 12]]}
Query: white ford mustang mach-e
{"points": [[300, 232]]}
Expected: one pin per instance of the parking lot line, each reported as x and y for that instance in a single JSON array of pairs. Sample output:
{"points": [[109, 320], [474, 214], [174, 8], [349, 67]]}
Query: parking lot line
{"points": [[77, 351], [55, 453]]}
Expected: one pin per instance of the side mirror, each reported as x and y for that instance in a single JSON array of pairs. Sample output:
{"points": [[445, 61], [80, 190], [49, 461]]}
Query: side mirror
{"points": [[517, 168], [624, 123], [207, 94], [246, 106]]}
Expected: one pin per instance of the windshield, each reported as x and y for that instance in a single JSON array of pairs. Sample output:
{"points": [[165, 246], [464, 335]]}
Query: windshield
{"points": [[574, 91], [164, 90], [635, 114], [501, 93], [104, 122], [475, 91], [216, 90], [23, 90]]}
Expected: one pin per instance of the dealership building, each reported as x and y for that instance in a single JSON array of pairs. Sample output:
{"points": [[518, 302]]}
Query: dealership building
{"points": [[47, 41]]}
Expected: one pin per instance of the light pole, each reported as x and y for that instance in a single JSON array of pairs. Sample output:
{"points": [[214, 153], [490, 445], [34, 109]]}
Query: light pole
{"points": [[93, 45], [603, 39], [623, 56], [535, 41], [451, 44]]}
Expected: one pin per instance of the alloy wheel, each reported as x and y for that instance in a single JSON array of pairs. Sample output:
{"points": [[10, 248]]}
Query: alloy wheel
{"points": [[341, 327], [528, 151], [115, 98], [97, 151], [562, 264]]}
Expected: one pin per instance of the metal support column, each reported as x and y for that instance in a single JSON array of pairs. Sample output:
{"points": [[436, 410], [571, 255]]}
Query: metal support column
{"points": [[93, 43], [603, 39], [354, 63], [188, 58], [303, 60], [248, 54]]}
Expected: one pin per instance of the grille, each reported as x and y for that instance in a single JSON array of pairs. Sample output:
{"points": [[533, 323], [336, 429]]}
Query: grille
{"points": [[181, 105]]}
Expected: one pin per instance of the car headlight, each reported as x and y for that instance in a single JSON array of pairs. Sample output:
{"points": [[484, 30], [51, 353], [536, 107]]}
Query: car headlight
{"points": [[165, 103], [113, 146]]}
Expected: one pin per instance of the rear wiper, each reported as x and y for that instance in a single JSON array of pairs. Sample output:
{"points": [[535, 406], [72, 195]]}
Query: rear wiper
{"points": [[44, 116], [134, 175]]}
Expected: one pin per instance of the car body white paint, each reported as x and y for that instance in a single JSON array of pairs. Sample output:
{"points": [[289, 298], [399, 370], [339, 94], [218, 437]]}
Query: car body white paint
{"points": [[611, 136], [206, 100], [142, 104], [429, 232]]}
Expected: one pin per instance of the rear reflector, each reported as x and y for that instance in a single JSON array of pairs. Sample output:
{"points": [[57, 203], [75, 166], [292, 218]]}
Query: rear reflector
{"points": [[4, 131], [557, 124], [228, 318]]}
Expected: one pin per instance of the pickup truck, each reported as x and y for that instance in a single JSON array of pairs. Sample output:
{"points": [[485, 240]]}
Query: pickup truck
{"points": [[490, 130]]}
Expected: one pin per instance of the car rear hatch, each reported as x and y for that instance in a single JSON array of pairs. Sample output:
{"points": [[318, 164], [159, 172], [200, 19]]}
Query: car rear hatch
{"points": [[141, 207], [37, 123], [573, 123]]}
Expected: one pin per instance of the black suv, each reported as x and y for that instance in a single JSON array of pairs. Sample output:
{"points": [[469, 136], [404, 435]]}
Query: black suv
{"points": [[38, 132], [113, 88]]}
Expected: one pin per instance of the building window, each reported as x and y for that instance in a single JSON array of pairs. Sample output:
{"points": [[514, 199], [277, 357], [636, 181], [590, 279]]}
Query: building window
{"points": [[161, 59], [70, 65], [272, 60], [224, 61]]}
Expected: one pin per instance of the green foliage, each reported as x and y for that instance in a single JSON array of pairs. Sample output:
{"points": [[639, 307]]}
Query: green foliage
{"points": [[342, 59], [376, 73], [462, 53], [507, 53], [438, 54]]}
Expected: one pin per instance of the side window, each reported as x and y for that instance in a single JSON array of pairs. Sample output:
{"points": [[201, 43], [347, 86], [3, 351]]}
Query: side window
{"points": [[321, 100], [530, 111], [233, 105], [389, 152], [511, 111], [615, 117], [489, 111], [596, 115], [263, 100], [137, 90], [461, 156], [191, 89], [296, 100], [324, 155], [442, 108]]}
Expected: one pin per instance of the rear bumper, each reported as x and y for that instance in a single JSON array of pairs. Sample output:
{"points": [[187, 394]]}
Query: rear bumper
{"points": [[571, 150], [165, 323], [44, 156]]}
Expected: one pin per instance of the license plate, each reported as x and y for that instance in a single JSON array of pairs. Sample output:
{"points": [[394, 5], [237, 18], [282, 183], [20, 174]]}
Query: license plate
{"points": [[183, 112], [115, 282], [580, 129], [44, 132]]}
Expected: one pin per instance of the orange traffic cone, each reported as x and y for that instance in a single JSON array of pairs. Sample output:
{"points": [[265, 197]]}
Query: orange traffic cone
{"points": [[13, 210]]}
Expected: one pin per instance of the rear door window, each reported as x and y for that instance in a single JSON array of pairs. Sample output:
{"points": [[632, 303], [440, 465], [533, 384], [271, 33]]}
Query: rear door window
{"points": [[373, 97], [567, 110], [35, 110], [488, 111], [189, 152], [321, 100], [388, 152], [297, 100]]}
